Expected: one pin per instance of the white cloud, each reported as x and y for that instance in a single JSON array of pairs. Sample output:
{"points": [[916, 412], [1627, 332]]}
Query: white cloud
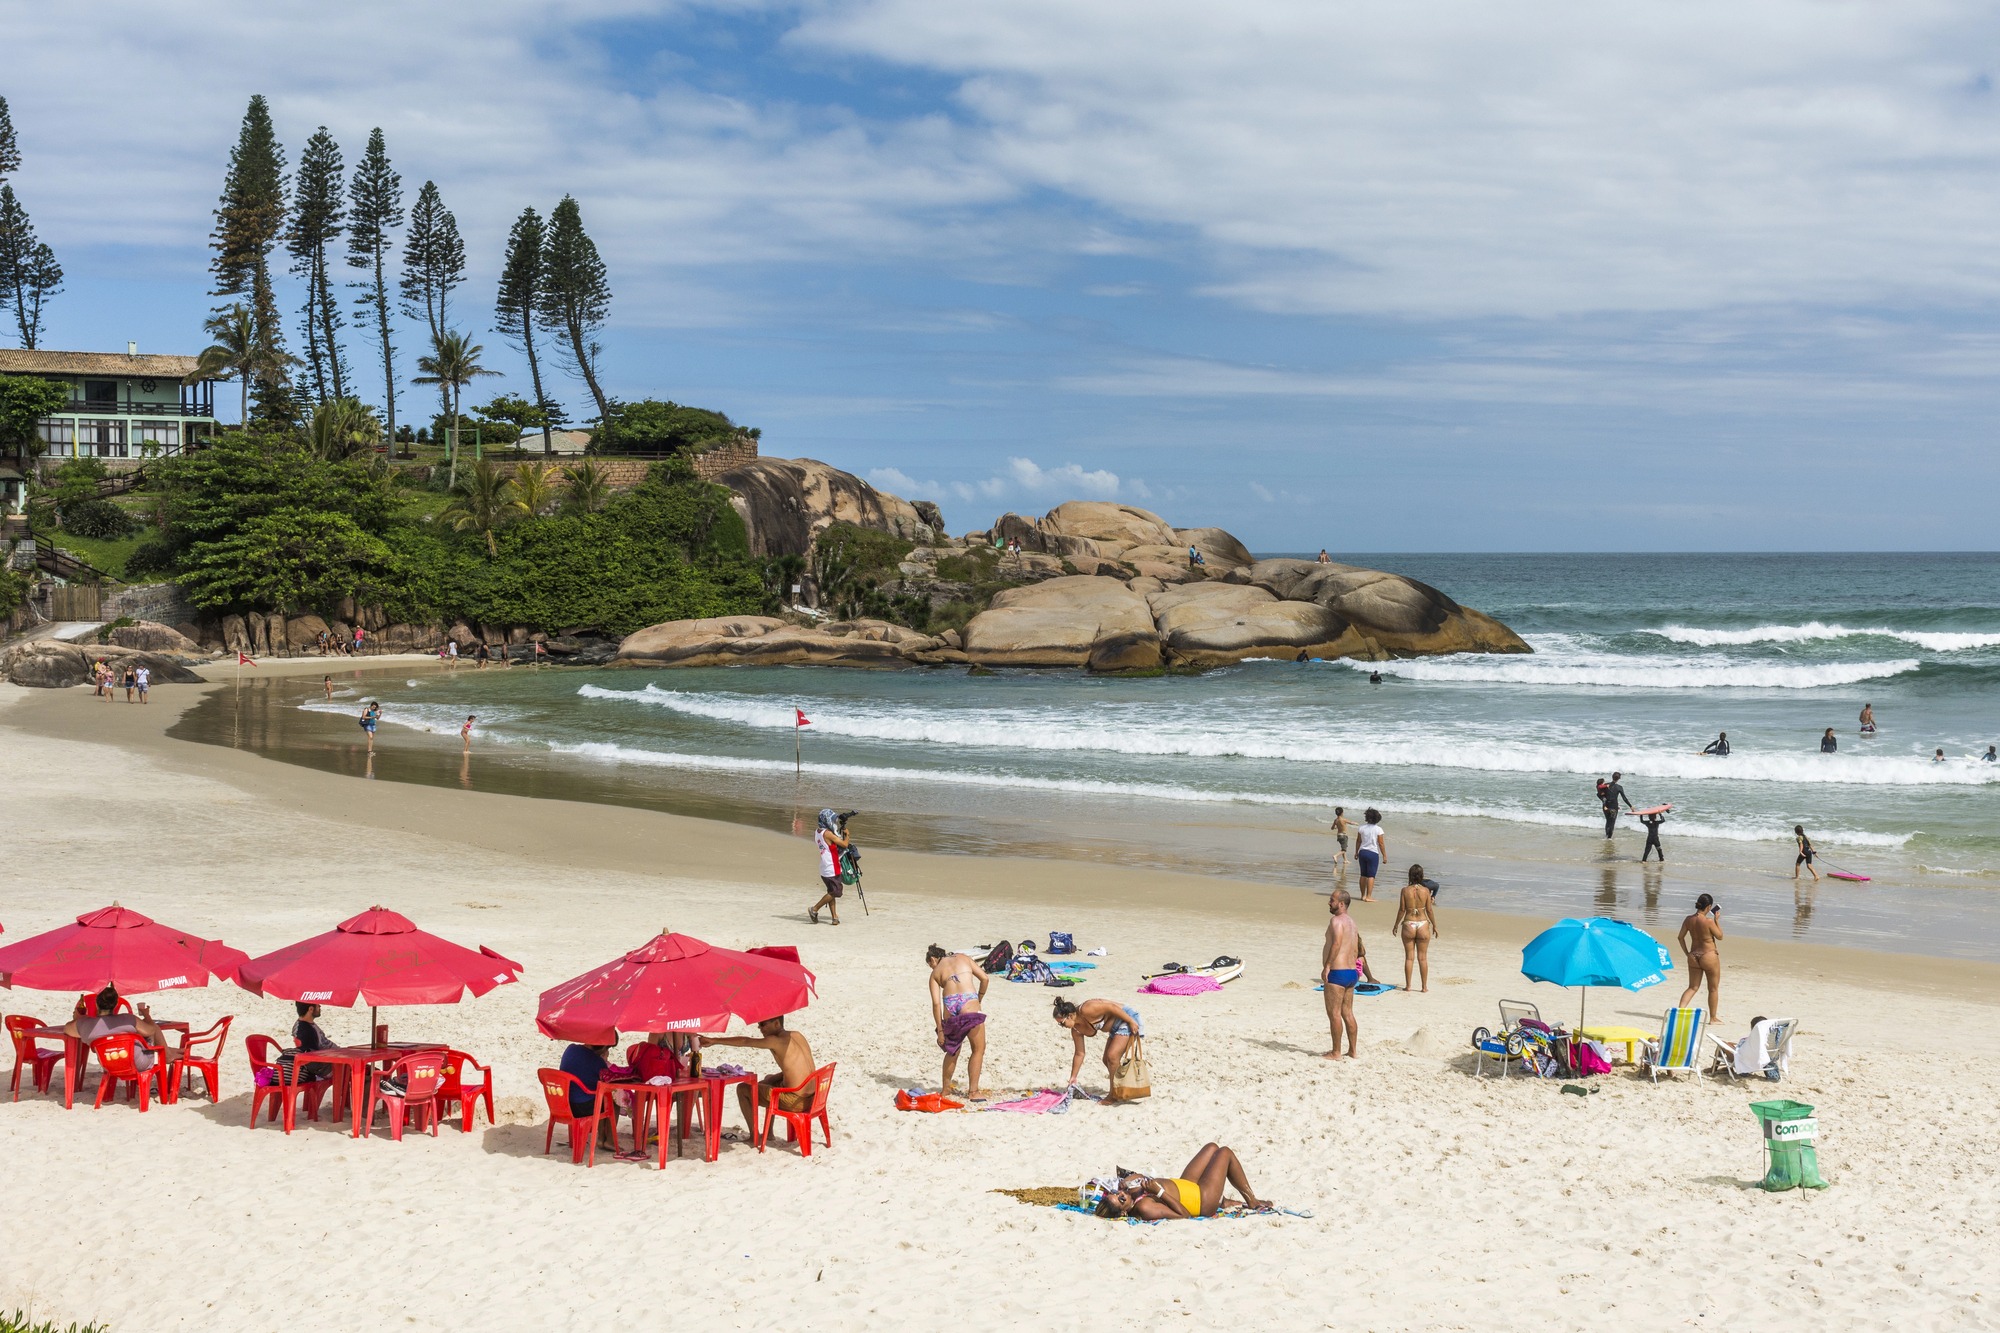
{"points": [[1262, 492], [1070, 479]]}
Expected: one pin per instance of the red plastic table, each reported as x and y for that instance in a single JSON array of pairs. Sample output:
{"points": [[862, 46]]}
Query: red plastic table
{"points": [[73, 1059], [658, 1097], [354, 1062], [712, 1108]]}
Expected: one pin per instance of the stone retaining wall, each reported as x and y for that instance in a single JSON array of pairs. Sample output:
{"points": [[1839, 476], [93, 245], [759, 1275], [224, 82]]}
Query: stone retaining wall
{"points": [[163, 603]]}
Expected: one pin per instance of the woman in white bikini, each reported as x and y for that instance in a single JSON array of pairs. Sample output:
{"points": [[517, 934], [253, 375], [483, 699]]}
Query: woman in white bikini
{"points": [[1416, 927], [1698, 937]]}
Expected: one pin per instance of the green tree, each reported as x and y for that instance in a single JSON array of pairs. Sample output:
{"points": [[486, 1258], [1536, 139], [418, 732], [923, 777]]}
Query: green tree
{"points": [[292, 560], [587, 489], [650, 426], [342, 428], [452, 364], [248, 220], [239, 353], [481, 501], [537, 486], [375, 208], [514, 308], [318, 207], [29, 273], [433, 264], [517, 412], [10, 149], [24, 401], [575, 295], [213, 495]]}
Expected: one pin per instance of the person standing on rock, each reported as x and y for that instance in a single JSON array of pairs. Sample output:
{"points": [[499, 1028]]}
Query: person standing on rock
{"points": [[830, 845]]}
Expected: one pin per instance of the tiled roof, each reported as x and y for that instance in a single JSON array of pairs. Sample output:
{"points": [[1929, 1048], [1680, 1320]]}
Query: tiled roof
{"points": [[147, 365]]}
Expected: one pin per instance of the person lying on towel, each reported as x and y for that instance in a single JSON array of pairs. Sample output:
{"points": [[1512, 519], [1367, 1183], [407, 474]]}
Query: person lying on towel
{"points": [[1196, 1192]]}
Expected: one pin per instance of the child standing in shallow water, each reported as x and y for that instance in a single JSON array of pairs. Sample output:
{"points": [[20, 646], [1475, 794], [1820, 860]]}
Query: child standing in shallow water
{"points": [[1805, 856]]}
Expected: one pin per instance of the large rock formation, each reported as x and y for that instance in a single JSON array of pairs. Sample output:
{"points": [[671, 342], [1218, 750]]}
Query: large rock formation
{"points": [[769, 641], [51, 664], [786, 503], [152, 637], [1077, 621], [1398, 614]]}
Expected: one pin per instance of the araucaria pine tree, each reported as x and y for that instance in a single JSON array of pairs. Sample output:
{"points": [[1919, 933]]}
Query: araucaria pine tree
{"points": [[318, 206], [520, 293], [29, 274], [375, 209], [575, 295], [248, 220], [433, 264]]}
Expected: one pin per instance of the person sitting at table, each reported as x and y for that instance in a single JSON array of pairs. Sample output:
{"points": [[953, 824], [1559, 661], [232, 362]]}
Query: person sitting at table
{"points": [[795, 1069], [108, 1022], [587, 1064], [657, 1059], [307, 1037]]}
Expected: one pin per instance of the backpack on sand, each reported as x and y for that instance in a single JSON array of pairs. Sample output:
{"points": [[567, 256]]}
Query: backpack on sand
{"points": [[997, 961]]}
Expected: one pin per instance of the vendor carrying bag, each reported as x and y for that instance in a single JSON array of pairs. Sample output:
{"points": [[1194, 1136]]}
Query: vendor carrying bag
{"points": [[1134, 1078]]}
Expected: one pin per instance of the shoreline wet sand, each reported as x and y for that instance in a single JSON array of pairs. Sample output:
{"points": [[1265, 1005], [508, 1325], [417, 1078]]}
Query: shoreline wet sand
{"points": [[1485, 865], [1453, 1201]]}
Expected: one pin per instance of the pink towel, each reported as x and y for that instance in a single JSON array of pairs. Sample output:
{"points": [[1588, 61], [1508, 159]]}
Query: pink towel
{"points": [[1180, 985], [1034, 1105]]}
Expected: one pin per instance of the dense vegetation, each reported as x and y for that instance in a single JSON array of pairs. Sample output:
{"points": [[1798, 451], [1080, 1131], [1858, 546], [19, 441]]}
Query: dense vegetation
{"points": [[258, 522], [858, 577]]}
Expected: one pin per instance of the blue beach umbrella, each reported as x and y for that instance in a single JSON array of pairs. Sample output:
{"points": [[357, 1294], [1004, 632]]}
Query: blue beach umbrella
{"points": [[1597, 952]]}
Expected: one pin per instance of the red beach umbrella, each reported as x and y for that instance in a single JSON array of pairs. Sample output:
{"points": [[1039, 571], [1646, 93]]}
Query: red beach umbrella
{"points": [[132, 951], [379, 957], [673, 983]]}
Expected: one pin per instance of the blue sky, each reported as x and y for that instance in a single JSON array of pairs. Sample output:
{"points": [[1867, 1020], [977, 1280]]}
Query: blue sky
{"points": [[1377, 277]]}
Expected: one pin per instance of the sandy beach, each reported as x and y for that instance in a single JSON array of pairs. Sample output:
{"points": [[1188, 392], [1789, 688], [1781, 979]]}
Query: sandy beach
{"points": [[1438, 1200]]}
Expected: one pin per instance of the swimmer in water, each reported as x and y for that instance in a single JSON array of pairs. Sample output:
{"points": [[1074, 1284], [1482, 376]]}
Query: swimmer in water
{"points": [[1374, 678], [1992, 754], [1938, 758], [1827, 743], [1867, 719], [1719, 747]]}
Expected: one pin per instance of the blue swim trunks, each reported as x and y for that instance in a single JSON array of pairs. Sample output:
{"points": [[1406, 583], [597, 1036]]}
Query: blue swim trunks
{"points": [[1370, 862], [1349, 977]]}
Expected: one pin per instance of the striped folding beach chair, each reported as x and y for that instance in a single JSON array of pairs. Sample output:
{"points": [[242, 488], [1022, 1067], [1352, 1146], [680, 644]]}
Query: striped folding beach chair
{"points": [[1679, 1048]]}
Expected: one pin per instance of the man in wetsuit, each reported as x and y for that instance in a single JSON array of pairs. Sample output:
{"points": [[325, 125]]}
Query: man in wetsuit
{"points": [[1719, 747], [1613, 794]]}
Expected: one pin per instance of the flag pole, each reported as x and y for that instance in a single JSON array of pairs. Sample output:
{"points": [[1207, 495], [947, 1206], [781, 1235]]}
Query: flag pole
{"points": [[798, 754]]}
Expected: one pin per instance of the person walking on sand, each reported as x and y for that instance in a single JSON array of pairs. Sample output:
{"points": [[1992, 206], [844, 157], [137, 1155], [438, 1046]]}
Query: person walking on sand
{"points": [[465, 732], [1867, 719], [1652, 823], [1370, 847], [451, 645], [1338, 973], [371, 715], [1698, 937], [1613, 793], [131, 683], [143, 678], [955, 1011], [827, 838], [1416, 926], [1341, 826], [1805, 854], [1827, 743], [483, 656]]}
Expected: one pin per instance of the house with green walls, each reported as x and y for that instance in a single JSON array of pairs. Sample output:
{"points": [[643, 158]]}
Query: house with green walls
{"points": [[121, 405]]}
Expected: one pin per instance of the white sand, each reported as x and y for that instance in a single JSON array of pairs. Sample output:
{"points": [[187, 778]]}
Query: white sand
{"points": [[1440, 1200]]}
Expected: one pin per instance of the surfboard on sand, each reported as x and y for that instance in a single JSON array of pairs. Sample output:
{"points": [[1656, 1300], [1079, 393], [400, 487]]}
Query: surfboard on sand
{"points": [[1858, 879], [1651, 810]]}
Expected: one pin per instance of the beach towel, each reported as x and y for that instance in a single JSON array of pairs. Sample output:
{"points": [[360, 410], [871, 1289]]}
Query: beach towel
{"points": [[1180, 985], [1046, 1102], [957, 1027], [1223, 1214], [912, 1099]]}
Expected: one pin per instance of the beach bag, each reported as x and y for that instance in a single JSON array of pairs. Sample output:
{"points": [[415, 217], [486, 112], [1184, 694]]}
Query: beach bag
{"points": [[997, 961], [1584, 1059], [1061, 942], [1030, 969], [1134, 1078]]}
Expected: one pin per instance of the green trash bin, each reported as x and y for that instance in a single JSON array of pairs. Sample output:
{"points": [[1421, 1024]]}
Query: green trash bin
{"points": [[1789, 1134]]}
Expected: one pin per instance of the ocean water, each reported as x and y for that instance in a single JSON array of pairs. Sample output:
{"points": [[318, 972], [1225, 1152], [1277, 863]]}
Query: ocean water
{"points": [[1484, 763]]}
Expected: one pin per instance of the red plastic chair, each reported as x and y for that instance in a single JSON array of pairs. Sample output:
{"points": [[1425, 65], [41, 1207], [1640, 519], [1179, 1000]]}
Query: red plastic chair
{"points": [[555, 1086], [455, 1091], [800, 1120], [89, 1002], [188, 1059], [118, 1056], [421, 1075], [41, 1063], [261, 1048]]}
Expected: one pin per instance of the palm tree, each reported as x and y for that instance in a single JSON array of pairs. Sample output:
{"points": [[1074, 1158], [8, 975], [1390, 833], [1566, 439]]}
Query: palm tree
{"points": [[239, 353], [452, 364], [341, 428], [483, 501], [535, 487], [588, 488]]}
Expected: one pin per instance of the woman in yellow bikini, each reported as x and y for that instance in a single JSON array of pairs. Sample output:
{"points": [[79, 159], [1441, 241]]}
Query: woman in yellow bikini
{"points": [[1196, 1192]]}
